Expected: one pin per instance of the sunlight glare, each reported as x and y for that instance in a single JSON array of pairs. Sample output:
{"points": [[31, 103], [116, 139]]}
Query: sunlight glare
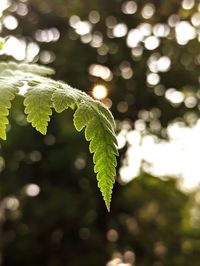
{"points": [[148, 11], [12, 45], [184, 32], [4, 5], [174, 96], [101, 71], [134, 38], [32, 190], [188, 4], [153, 79], [120, 30], [151, 42], [176, 157], [11, 203], [99, 92], [163, 64], [10, 22], [129, 7], [83, 27]]}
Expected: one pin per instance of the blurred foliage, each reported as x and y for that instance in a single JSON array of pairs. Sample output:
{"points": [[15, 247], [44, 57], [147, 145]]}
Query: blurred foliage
{"points": [[49, 214]]}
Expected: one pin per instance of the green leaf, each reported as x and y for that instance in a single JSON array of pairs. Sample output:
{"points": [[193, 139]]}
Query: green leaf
{"points": [[102, 139], [7, 94], [42, 95], [64, 97], [38, 107], [99, 130], [2, 42], [26, 68]]}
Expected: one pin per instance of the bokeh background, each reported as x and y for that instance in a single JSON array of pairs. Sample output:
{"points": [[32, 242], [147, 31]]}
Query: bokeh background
{"points": [[142, 59]]}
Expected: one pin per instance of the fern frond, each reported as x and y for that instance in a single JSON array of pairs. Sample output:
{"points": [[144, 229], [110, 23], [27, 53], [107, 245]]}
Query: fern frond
{"points": [[44, 94], [38, 106], [26, 68], [99, 130], [38, 97], [100, 133], [7, 94], [2, 42], [64, 97]]}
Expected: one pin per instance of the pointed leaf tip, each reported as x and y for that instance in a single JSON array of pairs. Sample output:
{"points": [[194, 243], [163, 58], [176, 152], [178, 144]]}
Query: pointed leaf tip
{"points": [[108, 206]]}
